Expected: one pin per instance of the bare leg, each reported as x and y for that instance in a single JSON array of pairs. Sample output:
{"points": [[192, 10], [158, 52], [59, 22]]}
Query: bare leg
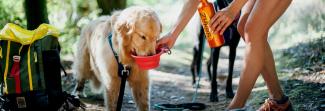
{"points": [[270, 76], [246, 10], [268, 71], [262, 17]]}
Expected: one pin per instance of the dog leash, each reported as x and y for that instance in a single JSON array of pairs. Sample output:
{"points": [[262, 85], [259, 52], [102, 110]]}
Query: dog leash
{"points": [[123, 73], [180, 107], [190, 106]]}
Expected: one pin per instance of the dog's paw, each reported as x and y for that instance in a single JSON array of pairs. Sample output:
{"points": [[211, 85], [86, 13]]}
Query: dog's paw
{"points": [[230, 94], [214, 98]]}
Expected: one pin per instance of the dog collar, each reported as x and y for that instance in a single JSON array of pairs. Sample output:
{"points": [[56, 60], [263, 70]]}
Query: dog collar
{"points": [[110, 36]]}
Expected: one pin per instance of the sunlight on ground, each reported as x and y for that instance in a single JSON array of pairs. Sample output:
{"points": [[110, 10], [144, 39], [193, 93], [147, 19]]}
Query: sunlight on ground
{"points": [[159, 76], [259, 89]]}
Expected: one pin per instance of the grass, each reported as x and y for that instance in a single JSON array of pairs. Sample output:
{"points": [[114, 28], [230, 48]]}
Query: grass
{"points": [[303, 96], [303, 55]]}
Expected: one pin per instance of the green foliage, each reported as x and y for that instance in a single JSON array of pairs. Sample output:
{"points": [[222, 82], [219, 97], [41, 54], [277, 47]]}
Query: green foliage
{"points": [[11, 11], [303, 21], [303, 96], [70, 16], [304, 55]]}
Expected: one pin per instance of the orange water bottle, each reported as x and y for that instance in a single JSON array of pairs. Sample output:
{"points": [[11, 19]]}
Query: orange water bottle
{"points": [[206, 11]]}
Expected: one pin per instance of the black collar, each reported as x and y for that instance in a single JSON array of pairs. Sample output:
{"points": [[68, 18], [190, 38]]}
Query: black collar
{"points": [[123, 70], [110, 36]]}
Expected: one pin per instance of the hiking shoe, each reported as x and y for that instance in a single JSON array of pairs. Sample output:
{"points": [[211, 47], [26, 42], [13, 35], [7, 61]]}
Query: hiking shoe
{"points": [[272, 105]]}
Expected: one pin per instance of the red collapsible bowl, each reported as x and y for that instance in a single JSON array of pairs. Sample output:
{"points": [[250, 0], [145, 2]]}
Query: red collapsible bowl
{"points": [[149, 62]]}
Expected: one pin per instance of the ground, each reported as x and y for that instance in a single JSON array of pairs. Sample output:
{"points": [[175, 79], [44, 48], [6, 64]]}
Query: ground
{"points": [[171, 83]]}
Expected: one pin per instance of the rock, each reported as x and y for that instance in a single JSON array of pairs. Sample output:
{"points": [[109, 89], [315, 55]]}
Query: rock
{"points": [[297, 69], [155, 87], [318, 69], [181, 98], [130, 102], [296, 84], [305, 71], [161, 93], [173, 97], [322, 89]]}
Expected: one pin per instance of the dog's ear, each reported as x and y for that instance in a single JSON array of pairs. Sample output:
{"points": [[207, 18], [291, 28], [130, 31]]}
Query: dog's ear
{"points": [[123, 24], [125, 27]]}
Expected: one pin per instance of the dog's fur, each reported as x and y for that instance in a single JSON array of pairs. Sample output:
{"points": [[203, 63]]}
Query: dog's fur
{"points": [[232, 38], [135, 30]]}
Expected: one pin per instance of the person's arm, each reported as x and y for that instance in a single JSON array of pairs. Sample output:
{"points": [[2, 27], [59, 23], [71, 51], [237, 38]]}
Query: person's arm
{"points": [[224, 17], [186, 14], [235, 6]]}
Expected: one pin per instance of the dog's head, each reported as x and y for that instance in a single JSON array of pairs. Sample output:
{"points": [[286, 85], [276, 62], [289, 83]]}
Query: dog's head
{"points": [[136, 30]]}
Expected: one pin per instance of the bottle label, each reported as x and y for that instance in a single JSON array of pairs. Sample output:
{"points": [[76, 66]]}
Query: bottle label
{"points": [[205, 20]]}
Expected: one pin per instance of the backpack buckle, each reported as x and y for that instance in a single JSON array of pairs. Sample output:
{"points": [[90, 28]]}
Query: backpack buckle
{"points": [[21, 102], [16, 58]]}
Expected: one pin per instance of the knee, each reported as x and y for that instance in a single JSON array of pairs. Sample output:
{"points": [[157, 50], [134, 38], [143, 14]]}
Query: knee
{"points": [[253, 34], [240, 28]]}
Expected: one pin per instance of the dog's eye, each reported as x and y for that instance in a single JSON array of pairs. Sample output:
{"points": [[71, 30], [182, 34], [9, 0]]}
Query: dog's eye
{"points": [[143, 37]]}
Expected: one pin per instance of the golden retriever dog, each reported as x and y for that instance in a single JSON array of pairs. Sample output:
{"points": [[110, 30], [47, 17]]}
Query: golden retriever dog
{"points": [[134, 31]]}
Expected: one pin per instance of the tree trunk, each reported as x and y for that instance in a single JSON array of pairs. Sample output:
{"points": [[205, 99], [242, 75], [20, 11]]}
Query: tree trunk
{"points": [[108, 6], [36, 13]]}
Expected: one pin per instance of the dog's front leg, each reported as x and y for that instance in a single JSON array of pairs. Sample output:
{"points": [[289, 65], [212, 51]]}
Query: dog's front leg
{"points": [[140, 91], [214, 84], [112, 93], [232, 57]]}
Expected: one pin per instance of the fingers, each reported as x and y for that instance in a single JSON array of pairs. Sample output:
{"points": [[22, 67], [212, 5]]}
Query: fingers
{"points": [[165, 41], [225, 27], [160, 42], [220, 22], [221, 25], [214, 18]]}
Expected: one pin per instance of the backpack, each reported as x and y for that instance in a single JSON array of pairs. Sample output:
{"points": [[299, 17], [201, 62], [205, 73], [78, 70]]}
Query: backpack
{"points": [[30, 68]]}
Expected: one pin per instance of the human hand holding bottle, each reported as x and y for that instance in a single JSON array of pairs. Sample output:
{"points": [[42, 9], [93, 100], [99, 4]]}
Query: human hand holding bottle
{"points": [[221, 20]]}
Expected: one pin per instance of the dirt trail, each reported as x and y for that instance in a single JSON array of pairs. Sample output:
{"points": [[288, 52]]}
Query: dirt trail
{"points": [[171, 83]]}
